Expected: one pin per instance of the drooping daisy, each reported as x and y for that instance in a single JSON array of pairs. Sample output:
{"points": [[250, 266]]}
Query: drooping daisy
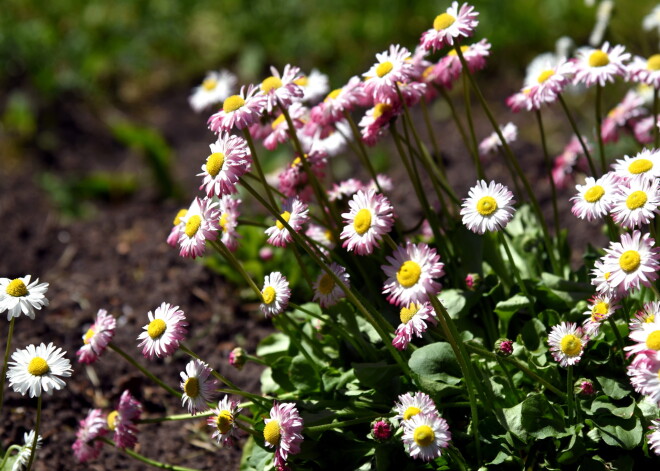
{"points": [[645, 164], [643, 129], [654, 436], [569, 161], [644, 372], [19, 295], [239, 111], [632, 262], [223, 421], [216, 87], [199, 225], [86, 447], [282, 89], [38, 368], [228, 209], [648, 314], [601, 306], [376, 121], [567, 342], [636, 203], [178, 229], [425, 435], [594, 199], [647, 338], [645, 70], [600, 65], [164, 332], [631, 107], [449, 26], [488, 207], [370, 216], [23, 457], [410, 405], [296, 214], [315, 86], [327, 292], [491, 143], [198, 388], [410, 274], [384, 183], [391, 67], [522, 100], [122, 421], [414, 320], [279, 132], [228, 161], [97, 337], [275, 294], [283, 431], [449, 68]]}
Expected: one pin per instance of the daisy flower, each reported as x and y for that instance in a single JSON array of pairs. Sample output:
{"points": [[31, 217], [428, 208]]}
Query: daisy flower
{"points": [[425, 435], [644, 374], [410, 405], [239, 111], [198, 388], [595, 198], [646, 315], [178, 229], [38, 368], [391, 67], [86, 447], [228, 209], [19, 295], [228, 161], [632, 106], [384, 182], [647, 338], [654, 436], [165, 330], [216, 87], [326, 291], [23, 456], [295, 213], [646, 70], [322, 237], [369, 218], [223, 421], [645, 164], [488, 207], [122, 421], [344, 189], [601, 279], [449, 26], [281, 89], [652, 20], [315, 86], [523, 100], [199, 225], [548, 77], [567, 342], [636, 203], [631, 262], [475, 56], [414, 320], [275, 294], [410, 274], [600, 65], [601, 306], [491, 143], [283, 431], [339, 101], [376, 121], [97, 337], [279, 132], [643, 129]]}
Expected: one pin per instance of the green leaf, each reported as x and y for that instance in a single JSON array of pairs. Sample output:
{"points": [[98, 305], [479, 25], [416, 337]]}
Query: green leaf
{"points": [[376, 375], [507, 308], [533, 335], [436, 358], [302, 374], [612, 388], [535, 417], [617, 426], [273, 346], [455, 301]]}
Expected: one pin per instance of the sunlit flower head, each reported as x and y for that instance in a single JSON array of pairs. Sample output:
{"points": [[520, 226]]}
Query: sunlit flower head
{"points": [[86, 447], [122, 421], [595, 198], [283, 431], [567, 342], [632, 262], [376, 121], [322, 236], [216, 87], [645, 70], [547, 76], [275, 294], [450, 26], [19, 295], [488, 207], [644, 372], [315, 86], [166, 329], [239, 111], [223, 421], [97, 337], [646, 338], [601, 307], [600, 278], [279, 128], [410, 405], [648, 314], [198, 387], [391, 67], [646, 164], [414, 321], [370, 216], [636, 203], [425, 435], [37, 369], [493, 142], [600, 65], [228, 210], [522, 100], [340, 101], [23, 456], [228, 161], [177, 229], [327, 292], [199, 224], [296, 214], [282, 88]]}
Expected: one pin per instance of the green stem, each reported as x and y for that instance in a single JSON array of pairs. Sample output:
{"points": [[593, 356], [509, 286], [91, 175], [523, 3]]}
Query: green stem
{"points": [[362, 154], [33, 451], [434, 141], [468, 114], [619, 339], [345, 423], [509, 379], [548, 168], [5, 362], [8, 454], [144, 459], [457, 121], [516, 272], [257, 165], [229, 256], [599, 124], [585, 149], [570, 394], [173, 418]]}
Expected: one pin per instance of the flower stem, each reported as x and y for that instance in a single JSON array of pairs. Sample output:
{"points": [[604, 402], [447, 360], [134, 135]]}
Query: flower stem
{"points": [[345, 423], [5, 362], [362, 154], [7, 454], [144, 459], [173, 418], [222, 378], [468, 114], [257, 165], [570, 394], [548, 167], [599, 124], [33, 450], [516, 272], [585, 149]]}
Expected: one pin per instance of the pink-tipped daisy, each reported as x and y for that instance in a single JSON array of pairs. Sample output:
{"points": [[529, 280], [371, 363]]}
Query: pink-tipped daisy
{"points": [[410, 274], [410, 405], [654, 436], [228, 210], [488, 207], [631, 107], [122, 421], [283, 431], [282, 88], [493, 142], [600, 278], [600, 65], [645, 70], [636, 203], [223, 421], [344, 189], [643, 129], [327, 292], [275, 294], [339, 101], [279, 132], [315, 86], [376, 121], [239, 111], [601, 306], [644, 374], [197, 385], [97, 337], [645, 164], [450, 26], [632, 262], [166, 329], [369, 218], [425, 435], [547, 76], [296, 214], [414, 321], [391, 67], [646, 338], [567, 342], [86, 447], [216, 87], [18, 296], [199, 225], [177, 230], [648, 314], [594, 199], [522, 100], [228, 161], [322, 236], [38, 369]]}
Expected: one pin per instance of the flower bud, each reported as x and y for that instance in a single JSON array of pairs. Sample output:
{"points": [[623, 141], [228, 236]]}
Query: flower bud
{"points": [[381, 430], [237, 358], [504, 347], [584, 387], [472, 281]]}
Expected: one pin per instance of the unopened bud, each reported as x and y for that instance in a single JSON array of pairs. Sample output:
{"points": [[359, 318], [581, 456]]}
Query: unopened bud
{"points": [[504, 347], [584, 387], [472, 281], [237, 358], [381, 430]]}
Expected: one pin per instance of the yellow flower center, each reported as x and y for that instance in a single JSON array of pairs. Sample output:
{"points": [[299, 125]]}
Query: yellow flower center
{"points": [[409, 273], [629, 261], [272, 432], [545, 75], [214, 163], [271, 83], [112, 419], [17, 288], [607, 275], [443, 21], [326, 284], [411, 411], [277, 121], [453, 52], [380, 109], [38, 367], [209, 84], [653, 63], [328, 235], [223, 220], [233, 103], [408, 313], [191, 387], [599, 310], [156, 328], [653, 340], [362, 221], [224, 421], [424, 435], [333, 94], [571, 345], [88, 336], [286, 215], [650, 319], [268, 294], [486, 206], [384, 68], [179, 215], [594, 193], [637, 199], [598, 58], [192, 226], [640, 166]]}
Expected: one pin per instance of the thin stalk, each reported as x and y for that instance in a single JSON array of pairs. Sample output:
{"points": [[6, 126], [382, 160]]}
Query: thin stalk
{"points": [[345, 423], [362, 154], [570, 394], [454, 114], [434, 141], [257, 165], [619, 339], [10, 334], [247, 429], [457, 457], [174, 418], [468, 114], [585, 149], [219, 376], [144, 459], [229, 256], [274, 190], [509, 378], [303, 268], [8, 454], [548, 167], [33, 450], [516, 272], [599, 124]]}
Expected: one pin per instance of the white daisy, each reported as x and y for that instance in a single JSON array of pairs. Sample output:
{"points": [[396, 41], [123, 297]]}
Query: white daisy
{"points": [[654, 436], [645, 164], [23, 457], [315, 86], [223, 421], [410, 405], [594, 198], [216, 87], [631, 262], [601, 306], [636, 203], [369, 218], [199, 224], [648, 314], [391, 67], [646, 338], [327, 292], [166, 329], [488, 207], [295, 213], [38, 368], [19, 295], [198, 388], [275, 294], [425, 435], [567, 342], [448, 27], [414, 320], [600, 65], [491, 143], [646, 70], [228, 161]]}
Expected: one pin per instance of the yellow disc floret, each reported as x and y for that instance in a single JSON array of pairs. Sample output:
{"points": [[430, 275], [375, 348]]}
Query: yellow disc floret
{"points": [[571, 345], [191, 387], [112, 419], [380, 109], [384, 68], [88, 336], [286, 215], [209, 84], [594, 193], [443, 21], [156, 328], [545, 75], [599, 310], [193, 224], [272, 432], [653, 63], [271, 83], [629, 261], [408, 313], [333, 94], [224, 421], [326, 284], [598, 58], [640, 166], [268, 295], [409, 273], [16, 288], [636, 200], [179, 215], [410, 412], [653, 340], [486, 206], [214, 163], [233, 103], [38, 367], [362, 221], [424, 435]]}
